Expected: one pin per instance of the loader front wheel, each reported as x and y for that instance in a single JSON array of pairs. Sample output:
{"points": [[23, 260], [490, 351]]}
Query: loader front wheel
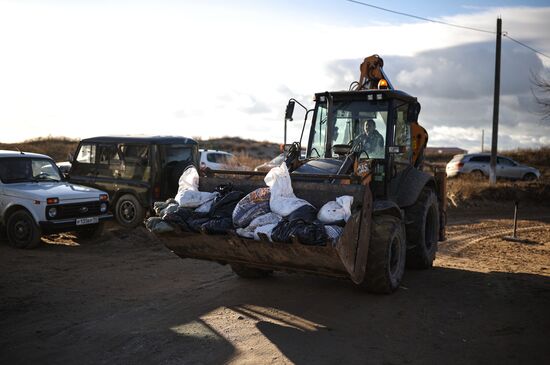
{"points": [[386, 257], [423, 231], [249, 272]]}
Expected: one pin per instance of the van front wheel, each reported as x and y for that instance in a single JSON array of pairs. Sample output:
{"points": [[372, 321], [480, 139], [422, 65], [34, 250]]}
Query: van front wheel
{"points": [[128, 211]]}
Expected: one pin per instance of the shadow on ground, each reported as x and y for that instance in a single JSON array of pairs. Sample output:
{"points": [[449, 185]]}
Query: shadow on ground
{"points": [[148, 306]]}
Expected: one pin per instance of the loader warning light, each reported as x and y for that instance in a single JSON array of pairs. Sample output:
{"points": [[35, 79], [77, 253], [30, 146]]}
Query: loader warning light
{"points": [[382, 84]]}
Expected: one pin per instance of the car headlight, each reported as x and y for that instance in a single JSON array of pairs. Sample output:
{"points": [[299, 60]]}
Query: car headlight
{"points": [[52, 212], [103, 207]]}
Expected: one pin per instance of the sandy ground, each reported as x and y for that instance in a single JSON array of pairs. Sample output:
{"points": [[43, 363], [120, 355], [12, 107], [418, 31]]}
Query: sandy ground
{"points": [[127, 300]]}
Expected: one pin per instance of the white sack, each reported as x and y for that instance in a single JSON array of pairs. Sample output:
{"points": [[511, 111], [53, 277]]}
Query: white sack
{"points": [[205, 208], [188, 195], [336, 211], [264, 229], [244, 232], [334, 233], [282, 200], [265, 219]]}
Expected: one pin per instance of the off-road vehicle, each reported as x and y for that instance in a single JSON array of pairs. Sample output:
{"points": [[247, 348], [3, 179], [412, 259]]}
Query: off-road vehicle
{"points": [[135, 170], [35, 199]]}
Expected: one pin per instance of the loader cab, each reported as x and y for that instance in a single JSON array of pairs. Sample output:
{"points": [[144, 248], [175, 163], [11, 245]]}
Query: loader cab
{"points": [[339, 124]]}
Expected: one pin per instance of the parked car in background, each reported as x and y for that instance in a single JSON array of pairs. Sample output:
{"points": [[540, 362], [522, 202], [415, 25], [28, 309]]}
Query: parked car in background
{"points": [[219, 160], [35, 199], [478, 164], [136, 171]]}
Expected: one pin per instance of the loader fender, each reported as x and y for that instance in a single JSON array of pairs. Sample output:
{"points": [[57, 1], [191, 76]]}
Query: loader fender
{"points": [[407, 187], [386, 207]]}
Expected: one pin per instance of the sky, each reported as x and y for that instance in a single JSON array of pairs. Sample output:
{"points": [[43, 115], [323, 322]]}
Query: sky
{"points": [[216, 68]]}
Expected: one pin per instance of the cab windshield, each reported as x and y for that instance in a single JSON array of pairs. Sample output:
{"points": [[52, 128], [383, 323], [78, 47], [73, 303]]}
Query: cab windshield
{"points": [[24, 169], [360, 124]]}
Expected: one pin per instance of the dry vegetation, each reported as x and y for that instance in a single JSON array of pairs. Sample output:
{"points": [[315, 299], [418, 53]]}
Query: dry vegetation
{"points": [[474, 192], [461, 192], [57, 148]]}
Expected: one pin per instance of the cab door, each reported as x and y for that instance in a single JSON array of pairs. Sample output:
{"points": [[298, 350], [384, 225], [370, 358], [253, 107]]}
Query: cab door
{"points": [[506, 168], [108, 167], [84, 169]]}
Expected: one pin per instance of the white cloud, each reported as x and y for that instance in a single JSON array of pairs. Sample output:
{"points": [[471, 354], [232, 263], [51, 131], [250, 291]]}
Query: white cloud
{"points": [[205, 70]]}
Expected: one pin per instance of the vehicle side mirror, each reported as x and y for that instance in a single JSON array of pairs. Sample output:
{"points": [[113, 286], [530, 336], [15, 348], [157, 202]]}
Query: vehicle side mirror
{"points": [[289, 110], [70, 157]]}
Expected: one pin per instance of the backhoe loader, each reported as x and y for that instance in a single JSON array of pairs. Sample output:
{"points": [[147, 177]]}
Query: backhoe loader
{"points": [[398, 211]]}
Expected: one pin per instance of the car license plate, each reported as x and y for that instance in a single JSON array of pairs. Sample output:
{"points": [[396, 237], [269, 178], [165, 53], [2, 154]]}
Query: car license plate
{"points": [[88, 220]]}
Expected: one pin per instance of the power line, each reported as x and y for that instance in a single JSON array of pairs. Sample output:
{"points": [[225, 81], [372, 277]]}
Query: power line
{"points": [[421, 18], [505, 34], [524, 45]]}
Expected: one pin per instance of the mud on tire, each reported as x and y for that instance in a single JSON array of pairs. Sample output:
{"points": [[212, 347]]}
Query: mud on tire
{"points": [[422, 230], [386, 257], [249, 272]]}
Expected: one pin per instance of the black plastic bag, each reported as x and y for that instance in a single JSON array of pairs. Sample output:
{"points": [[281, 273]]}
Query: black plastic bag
{"points": [[218, 225], [306, 233], [224, 205], [305, 213]]}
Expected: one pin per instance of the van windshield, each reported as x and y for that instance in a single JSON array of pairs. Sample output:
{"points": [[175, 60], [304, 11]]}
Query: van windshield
{"points": [[25, 169], [176, 153], [361, 124]]}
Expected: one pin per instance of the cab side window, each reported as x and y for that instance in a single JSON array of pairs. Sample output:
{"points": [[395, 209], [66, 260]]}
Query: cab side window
{"points": [[86, 154], [402, 138], [505, 162], [108, 154], [135, 161]]}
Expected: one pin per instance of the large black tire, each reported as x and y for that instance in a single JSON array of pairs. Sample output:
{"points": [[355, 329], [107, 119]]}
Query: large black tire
{"points": [[386, 258], [249, 272], [89, 233], [422, 230], [22, 230], [128, 211]]}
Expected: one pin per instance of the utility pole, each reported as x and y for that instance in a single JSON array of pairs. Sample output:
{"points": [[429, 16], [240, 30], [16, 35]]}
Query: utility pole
{"points": [[482, 140], [494, 139]]}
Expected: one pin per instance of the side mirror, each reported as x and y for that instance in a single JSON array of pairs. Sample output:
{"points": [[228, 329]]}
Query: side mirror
{"points": [[70, 157], [289, 110]]}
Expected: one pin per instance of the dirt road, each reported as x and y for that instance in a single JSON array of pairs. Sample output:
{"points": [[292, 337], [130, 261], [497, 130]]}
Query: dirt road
{"points": [[127, 300]]}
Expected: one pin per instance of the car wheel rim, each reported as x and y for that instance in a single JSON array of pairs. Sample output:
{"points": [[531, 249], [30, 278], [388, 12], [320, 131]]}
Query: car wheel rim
{"points": [[127, 211], [22, 230]]}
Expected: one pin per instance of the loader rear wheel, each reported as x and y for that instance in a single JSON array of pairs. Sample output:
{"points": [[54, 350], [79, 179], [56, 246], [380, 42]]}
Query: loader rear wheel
{"points": [[249, 272], [386, 257], [423, 231]]}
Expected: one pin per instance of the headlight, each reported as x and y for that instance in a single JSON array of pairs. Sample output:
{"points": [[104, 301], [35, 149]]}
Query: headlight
{"points": [[52, 212], [103, 207]]}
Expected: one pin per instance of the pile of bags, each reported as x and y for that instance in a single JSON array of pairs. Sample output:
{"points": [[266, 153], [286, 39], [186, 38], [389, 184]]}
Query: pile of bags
{"points": [[271, 213]]}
